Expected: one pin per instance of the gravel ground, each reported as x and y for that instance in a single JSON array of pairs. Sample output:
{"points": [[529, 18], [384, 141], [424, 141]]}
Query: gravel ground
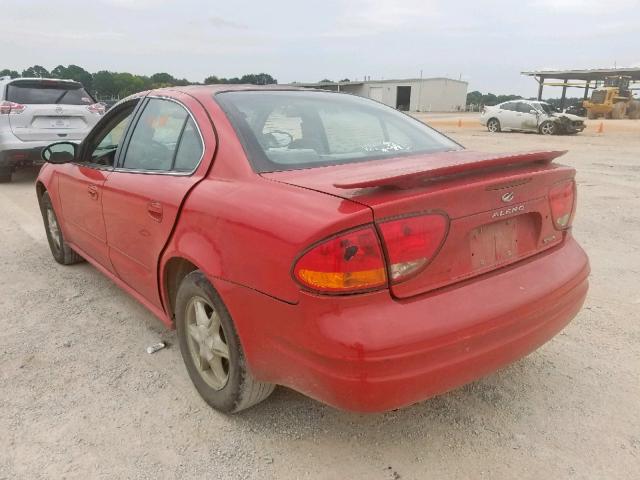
{"points": [[80, 397]]}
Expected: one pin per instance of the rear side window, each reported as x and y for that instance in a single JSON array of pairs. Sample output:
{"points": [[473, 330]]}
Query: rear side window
{"points": [[189, 151], [48, 92], [524, 107], [164, 139], [509, 106]]}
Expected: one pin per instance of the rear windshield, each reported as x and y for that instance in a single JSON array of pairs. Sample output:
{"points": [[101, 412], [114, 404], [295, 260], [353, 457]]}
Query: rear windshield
{"points": [[48, 92], [288, 130]]}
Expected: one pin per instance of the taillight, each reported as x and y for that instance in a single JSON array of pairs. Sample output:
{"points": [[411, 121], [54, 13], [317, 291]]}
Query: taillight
{"points": [[561, 200], [11, 108], [97, 108], [412, 242], [347, 263]]}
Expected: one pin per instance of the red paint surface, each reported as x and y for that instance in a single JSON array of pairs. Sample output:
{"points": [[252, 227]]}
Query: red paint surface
{"points": [[474, 308]]}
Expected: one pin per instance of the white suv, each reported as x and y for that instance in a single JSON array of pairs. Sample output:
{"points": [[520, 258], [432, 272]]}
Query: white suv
{"points": [[35, 112]]}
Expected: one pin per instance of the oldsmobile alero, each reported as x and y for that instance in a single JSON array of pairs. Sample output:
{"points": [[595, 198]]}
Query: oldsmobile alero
{"points": [[318, 240]]}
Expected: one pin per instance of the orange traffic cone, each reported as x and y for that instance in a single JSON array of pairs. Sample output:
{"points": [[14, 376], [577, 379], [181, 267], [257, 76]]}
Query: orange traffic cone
{"points": [[459, 122], [600, 128]]}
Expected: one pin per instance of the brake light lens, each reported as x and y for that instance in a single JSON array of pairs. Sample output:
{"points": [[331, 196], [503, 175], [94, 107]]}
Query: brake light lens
{"points": [[347, 263], [97, 108], [412, 242], [561, 200], [11, 108]]}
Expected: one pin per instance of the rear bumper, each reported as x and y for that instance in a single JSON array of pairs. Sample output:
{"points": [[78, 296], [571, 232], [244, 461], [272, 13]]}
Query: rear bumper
{"points": [[15, 152], [371, 353], [21, 157]]}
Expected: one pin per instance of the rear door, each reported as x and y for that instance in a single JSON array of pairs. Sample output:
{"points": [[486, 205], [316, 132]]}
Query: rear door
{"points": [[142, 197], [80, 184], [507, 115], [54, 110]]}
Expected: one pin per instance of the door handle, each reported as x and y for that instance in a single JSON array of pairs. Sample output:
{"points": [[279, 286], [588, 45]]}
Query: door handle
{"points": [[154, 208], [93, 191]]}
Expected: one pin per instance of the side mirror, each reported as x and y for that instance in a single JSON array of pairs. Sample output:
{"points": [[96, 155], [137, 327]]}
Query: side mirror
{"points": [[60, 152]]}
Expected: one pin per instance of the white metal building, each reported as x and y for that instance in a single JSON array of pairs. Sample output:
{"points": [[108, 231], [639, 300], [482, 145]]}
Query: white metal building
{"points": [[413, 94]]}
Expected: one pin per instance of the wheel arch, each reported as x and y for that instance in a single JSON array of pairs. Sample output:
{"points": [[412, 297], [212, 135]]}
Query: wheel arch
{"points": [[173, 272]]}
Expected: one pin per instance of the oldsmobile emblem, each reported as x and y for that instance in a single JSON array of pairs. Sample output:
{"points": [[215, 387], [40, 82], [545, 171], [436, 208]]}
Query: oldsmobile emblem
{"points": [[507, 197]]}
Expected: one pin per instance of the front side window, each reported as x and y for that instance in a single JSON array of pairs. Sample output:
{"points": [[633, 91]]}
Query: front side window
{"points": [[286, 130], [156, 135], [102, 149]]}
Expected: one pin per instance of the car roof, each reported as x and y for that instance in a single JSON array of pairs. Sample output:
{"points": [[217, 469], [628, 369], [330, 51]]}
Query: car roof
{"points": [[36, 79], [199, 91]]}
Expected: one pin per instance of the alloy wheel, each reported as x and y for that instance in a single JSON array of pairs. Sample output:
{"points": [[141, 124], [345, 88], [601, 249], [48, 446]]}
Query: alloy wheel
{"points": [[207, 342], [54, 229], [547, 128]]}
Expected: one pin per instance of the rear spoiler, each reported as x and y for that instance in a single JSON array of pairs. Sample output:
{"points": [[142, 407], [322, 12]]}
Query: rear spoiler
{"points": [[442, 165]]}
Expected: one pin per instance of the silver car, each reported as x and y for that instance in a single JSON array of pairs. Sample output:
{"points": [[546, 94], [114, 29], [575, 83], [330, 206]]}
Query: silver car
{"points": [[37, 111], [532, 116]]}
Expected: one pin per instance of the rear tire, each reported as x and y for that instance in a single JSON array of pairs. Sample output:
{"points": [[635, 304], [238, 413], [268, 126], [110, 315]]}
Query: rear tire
{"points": [[5, 174], [619, 111], [61, 251], [493, 125], [211, 348]]}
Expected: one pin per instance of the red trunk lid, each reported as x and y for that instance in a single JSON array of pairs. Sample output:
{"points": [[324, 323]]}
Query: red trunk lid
{"points": [[497, 205]]}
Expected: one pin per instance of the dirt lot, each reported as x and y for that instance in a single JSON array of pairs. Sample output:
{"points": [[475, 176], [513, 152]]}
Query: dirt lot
{"points": [[80, 397]]}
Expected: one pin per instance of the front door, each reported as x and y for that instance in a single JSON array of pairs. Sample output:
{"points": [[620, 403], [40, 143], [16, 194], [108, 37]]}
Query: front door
{"points": [[528, 120], [507, 116], [80, 185], [143, 195]]}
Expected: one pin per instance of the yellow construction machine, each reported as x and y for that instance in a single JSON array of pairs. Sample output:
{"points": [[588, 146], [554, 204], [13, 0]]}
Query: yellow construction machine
{"points": [[613, 100]]}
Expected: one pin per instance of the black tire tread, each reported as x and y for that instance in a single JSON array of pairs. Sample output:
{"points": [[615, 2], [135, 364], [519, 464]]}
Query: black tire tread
{"points": [[242, 390], [66, 255]]}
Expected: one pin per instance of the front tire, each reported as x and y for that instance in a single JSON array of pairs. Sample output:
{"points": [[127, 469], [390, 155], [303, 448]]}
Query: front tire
{"points": [[548, 128], [211, 348], [61, 251], [493, 125]]}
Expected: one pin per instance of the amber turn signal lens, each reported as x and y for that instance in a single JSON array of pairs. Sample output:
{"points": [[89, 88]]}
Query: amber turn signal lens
{"points": [[347, 263]]}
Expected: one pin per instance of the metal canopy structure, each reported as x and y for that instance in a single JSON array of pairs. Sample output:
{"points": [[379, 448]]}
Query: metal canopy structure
{"points": [[596, 76]]}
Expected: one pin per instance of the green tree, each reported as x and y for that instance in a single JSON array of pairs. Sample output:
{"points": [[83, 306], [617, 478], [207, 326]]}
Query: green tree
{"points": [[104, 84], [251, 78], [36, 71], [74, 72], [211, 80], [9, 73], [258, 79]]}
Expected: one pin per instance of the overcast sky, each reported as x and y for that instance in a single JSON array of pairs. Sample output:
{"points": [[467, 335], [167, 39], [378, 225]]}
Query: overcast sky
{"points": [[486, 43]]}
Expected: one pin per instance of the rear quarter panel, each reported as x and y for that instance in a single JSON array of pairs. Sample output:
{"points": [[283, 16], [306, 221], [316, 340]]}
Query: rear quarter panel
{"points": [[245, 229]]}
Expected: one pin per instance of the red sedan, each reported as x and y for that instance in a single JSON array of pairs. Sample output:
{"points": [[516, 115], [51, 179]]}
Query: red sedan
{"points": [[318, 240]]}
